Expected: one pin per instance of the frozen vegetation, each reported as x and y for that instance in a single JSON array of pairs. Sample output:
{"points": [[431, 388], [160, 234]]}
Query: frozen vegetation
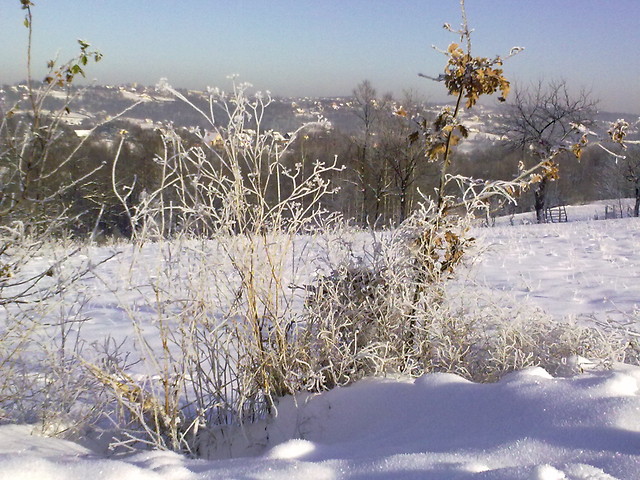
{"points": [[527, 425], [254, 324]]}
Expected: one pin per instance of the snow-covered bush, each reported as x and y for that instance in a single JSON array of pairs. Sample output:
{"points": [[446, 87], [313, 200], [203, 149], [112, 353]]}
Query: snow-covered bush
{"points": [[248, 324], [229, 217], [362, 318], [378, 312], [41, 338]]}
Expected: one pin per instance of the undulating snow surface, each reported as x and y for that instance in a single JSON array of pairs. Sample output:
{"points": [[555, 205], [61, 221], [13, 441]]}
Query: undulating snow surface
{"points": [[527, 426], [440, 426]]}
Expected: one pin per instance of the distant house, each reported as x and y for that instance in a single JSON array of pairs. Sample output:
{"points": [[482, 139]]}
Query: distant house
{"points": [[213, 139]]}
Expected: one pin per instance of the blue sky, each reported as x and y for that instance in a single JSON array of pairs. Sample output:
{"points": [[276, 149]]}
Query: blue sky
{"points": [[326, 47]]}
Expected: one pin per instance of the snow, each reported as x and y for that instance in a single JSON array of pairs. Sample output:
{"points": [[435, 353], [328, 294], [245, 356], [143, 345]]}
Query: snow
{"points": [[134, 96], [584, 268], [529, 425]]}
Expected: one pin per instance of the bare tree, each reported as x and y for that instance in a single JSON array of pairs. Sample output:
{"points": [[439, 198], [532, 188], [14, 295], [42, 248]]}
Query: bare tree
{"points": [[540, 121], [364, 97], [631, 172], [372, 180], [404, 159]]}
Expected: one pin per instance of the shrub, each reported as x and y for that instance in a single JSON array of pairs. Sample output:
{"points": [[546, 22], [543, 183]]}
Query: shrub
{"points": [[240, 321]]}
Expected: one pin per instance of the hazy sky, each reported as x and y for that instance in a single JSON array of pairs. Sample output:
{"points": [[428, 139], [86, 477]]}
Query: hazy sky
{"points": [[326, 47]]}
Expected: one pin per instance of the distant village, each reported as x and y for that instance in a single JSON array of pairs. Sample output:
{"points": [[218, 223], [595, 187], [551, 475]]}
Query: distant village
{"points": [[93, 105]]}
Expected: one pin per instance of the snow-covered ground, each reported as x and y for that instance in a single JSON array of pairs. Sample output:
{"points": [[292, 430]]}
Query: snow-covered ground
{"points": [[527, 426], [440, 426], [583, 268]]}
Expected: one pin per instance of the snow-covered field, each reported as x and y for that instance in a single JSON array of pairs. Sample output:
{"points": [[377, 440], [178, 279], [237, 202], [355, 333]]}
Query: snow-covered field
{"points": [[529, 425], [584, 268]]}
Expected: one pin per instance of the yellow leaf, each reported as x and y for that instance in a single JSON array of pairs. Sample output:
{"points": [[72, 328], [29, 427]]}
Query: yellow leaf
{"points": [[401, 112]]}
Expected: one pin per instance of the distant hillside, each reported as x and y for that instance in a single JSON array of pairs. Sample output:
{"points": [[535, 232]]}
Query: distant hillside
{"points": [[97, 103]]}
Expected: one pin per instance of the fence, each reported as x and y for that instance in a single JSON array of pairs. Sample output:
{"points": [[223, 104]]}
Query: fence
{"points": [[555, 214]]}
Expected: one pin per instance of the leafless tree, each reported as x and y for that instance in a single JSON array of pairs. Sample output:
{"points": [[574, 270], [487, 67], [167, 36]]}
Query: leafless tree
{"points": [[404, 160], [372, 181], [541, 120]]}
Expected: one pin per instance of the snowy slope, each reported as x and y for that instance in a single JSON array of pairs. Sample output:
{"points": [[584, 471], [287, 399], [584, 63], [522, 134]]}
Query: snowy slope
{"points": [[581, 268]]}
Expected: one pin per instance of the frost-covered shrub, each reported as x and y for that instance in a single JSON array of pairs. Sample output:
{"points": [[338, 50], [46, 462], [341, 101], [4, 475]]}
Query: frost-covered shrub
{"points": [[229, 218], [560, 347], [389, 309], [350, 315], [42, 379], [362, 318], [236, 331]]}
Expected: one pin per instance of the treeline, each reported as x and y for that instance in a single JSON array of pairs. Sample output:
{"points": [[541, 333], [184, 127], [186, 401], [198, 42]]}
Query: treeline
{"points": [[385, 170]]}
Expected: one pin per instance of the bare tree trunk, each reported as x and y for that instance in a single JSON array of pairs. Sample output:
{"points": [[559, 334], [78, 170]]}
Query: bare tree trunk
{"points": [[636, 208], [404, 193], [540, 197]]}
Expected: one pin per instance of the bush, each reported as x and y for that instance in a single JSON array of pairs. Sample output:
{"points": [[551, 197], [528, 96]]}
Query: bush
{"points": [[40, 172]]}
